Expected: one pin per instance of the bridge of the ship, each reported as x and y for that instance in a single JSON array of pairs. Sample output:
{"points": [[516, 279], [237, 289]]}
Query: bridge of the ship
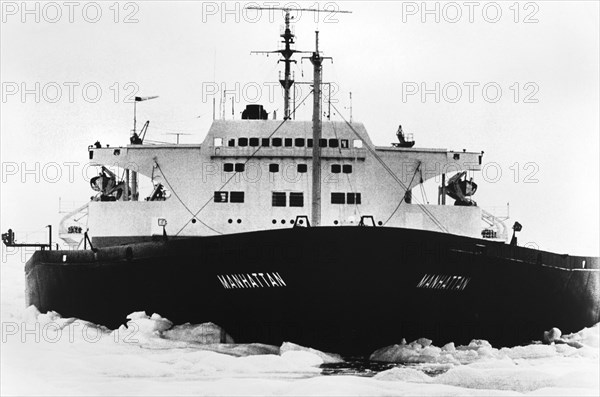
{"points": [[219, 180], [268, 139]]}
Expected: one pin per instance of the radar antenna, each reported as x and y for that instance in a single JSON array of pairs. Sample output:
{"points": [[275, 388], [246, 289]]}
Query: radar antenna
{"points": [[288, 51]]}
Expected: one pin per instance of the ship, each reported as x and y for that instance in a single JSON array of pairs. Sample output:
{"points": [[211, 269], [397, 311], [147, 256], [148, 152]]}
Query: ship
{"points": [[305, 231]]}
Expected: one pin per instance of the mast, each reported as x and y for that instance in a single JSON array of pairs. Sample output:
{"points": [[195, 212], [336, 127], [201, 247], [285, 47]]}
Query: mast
{"points": [[287, 83], [317, 60], [286, 52]]}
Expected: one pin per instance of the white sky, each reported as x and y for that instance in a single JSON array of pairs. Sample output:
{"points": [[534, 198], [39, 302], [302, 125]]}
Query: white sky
{"points": [[177, 50]]}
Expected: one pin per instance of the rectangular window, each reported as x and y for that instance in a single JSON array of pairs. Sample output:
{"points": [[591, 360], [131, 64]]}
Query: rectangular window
{"points": [[231, 142], [335, 168], [353, 198], [347, 168], [357, 143], [240, 167], [278, 199], [273, 167], [221, 197], [218, 142], [265, 142], [299, 142], [334, 143], [254, 142], [302, 168], [309, 142], [344, 143], [289, 142], [322, 142], [276, 142], [242, 142], [228, 167], [236, 197], [296, 199], [338, 198]]}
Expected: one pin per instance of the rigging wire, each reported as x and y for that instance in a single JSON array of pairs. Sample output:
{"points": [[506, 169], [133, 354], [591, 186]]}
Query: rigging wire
{"points": [[387, 168], [424, 193], [180, 200], [403, 197]]}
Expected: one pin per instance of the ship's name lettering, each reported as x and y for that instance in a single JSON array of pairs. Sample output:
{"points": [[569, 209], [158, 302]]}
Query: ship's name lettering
{"points": [[444, 282], [251, 280]]}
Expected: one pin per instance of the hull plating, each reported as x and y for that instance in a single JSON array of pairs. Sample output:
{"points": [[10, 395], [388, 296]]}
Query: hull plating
{"points": [[348, 290]]}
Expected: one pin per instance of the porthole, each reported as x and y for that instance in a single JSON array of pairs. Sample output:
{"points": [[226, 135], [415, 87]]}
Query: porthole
{"points": [[283, 221], [380, 223], [239, 221], [194, 220], [230, 221], [335, 222], [274, 221]]}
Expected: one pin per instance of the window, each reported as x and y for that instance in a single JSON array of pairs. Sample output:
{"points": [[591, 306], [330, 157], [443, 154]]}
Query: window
{"points": [[334, 143], [322, 142], [347, 168], [254, 142], [218, 141], [232, 197], [278, 199], [265, 142], [273, 167], [228, 167], [302, 168], [338, 198], [299, 142], [240, 167], [221, 197], [353, 198], [236, 197], [296, 199], [309, 142], [335, 168], [289, 142], [357, 143], [243, 142], [344, 143], [231, 142], [276, 142]]}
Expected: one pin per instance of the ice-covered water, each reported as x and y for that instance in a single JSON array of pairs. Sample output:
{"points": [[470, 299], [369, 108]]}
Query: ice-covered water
{"points": [[44, 354]]}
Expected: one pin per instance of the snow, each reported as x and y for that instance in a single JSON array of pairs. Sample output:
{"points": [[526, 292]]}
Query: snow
{"points": [[45, 354]]}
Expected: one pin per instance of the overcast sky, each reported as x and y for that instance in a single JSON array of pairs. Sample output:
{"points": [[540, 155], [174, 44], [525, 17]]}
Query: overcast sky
{"points": [[516, 80]]}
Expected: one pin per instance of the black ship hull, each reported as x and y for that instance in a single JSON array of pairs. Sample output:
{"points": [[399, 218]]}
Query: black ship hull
{"points": [[349, 290]]}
